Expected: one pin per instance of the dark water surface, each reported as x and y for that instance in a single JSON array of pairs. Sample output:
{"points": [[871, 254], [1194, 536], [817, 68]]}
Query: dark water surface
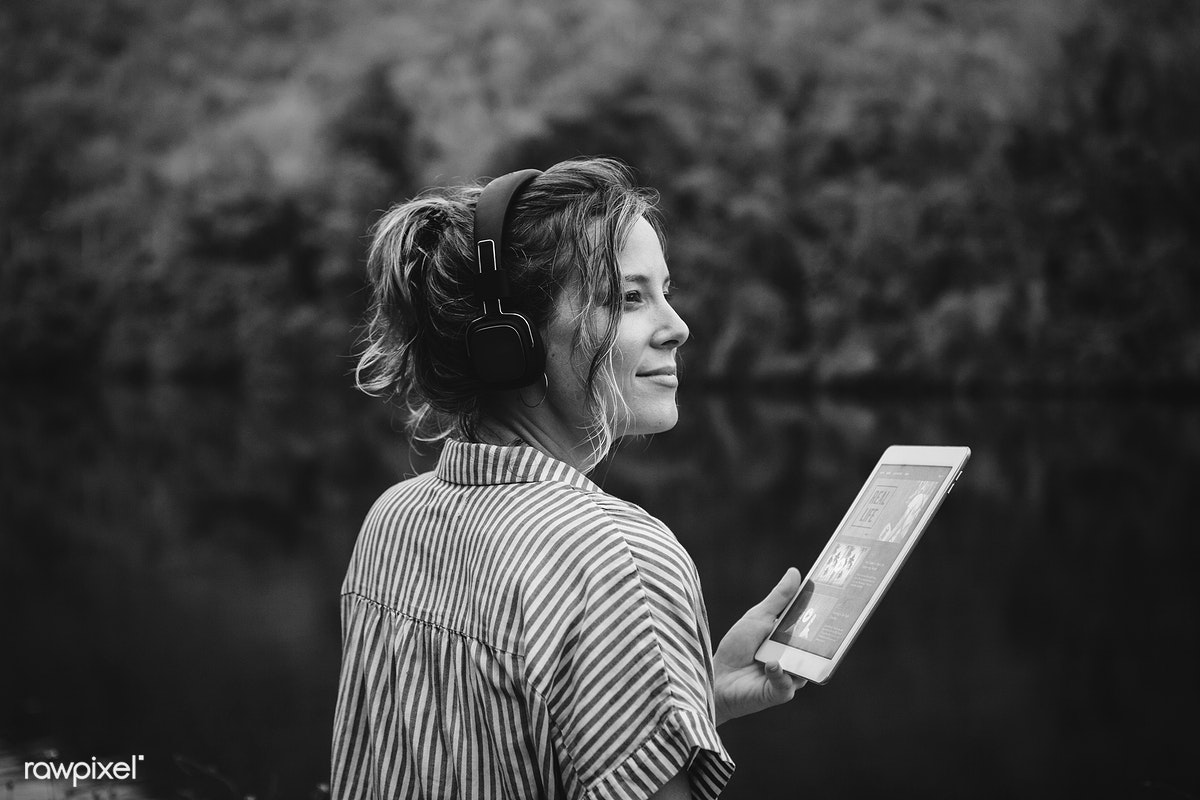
{"points": [[170, 560]]}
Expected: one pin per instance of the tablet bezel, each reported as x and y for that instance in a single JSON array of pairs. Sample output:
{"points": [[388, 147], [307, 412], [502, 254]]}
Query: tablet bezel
{"points": [[816, 668]]}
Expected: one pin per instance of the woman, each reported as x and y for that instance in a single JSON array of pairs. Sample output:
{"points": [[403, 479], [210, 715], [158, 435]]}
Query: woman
{"points": [[510, 630]]}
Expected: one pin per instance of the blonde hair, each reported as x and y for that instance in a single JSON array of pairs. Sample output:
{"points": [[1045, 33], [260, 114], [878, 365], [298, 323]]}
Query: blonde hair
{"points": [[566, 229]]}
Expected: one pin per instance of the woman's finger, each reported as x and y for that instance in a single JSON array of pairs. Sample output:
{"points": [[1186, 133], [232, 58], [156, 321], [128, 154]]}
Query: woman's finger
{"points": [[774, 603], [781, 681]]}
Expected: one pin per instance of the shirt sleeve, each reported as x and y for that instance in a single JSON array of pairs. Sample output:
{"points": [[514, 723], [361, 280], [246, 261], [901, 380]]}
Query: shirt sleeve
{"points": [[623, 661]]}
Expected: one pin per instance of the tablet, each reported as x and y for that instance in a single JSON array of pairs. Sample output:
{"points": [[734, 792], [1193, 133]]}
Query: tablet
{"points": [[862, 558]]}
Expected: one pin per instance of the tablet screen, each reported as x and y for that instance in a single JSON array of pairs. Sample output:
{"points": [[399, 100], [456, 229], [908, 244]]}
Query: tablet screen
{"points": [[858, 558]]}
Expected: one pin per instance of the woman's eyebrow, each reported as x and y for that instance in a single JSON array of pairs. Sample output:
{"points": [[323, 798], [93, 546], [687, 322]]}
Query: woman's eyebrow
{"points": [[638, 278]]}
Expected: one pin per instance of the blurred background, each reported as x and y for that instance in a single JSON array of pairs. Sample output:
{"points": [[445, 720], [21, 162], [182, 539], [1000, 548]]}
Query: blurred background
{"points": [[890, 221]]}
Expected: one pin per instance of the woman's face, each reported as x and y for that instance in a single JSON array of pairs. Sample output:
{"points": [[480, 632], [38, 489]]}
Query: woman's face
{"points": [[649, 333]]}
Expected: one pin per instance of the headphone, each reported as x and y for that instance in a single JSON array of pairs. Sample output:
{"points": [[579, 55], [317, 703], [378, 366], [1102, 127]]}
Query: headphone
{"points": [[503, 345]]}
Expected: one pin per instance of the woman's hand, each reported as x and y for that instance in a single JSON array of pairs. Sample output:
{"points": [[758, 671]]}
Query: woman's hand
{"points": [[742, 685]]}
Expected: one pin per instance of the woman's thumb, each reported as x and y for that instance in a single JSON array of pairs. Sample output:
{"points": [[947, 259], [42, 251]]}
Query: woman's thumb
{"points": [[774, 603]]}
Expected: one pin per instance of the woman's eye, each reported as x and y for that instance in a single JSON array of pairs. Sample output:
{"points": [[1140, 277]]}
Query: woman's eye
{"points": [[633, 296]]}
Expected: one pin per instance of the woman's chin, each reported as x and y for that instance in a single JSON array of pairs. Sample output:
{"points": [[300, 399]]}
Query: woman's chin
{"points": [[647, 424]]}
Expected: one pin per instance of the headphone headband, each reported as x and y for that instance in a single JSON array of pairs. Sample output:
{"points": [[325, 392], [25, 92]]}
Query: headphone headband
{"points": [[504, 346], [492, 211]]}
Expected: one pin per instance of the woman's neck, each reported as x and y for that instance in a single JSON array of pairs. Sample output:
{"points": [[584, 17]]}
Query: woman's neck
{"points": [[555, 440]]}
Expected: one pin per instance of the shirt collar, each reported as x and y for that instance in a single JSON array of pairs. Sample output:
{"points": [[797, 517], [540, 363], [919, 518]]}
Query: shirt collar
{"points": [[482, 464]]}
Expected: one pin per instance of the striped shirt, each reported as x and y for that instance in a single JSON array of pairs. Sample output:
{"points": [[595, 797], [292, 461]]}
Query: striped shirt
{"points": [[511, 631]]}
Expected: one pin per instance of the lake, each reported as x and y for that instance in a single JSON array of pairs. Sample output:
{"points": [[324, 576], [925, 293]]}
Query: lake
{"points": [[170, 560]]}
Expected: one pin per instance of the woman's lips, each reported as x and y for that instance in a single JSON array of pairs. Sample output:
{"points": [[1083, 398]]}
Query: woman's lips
{"points": [[663, 377]]}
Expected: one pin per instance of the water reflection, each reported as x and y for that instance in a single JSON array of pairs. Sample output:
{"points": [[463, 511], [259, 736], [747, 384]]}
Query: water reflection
{"points": [[169, 564]]}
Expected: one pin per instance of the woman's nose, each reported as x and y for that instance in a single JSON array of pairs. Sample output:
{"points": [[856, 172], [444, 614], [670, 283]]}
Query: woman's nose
{"points": [[673, 331]]}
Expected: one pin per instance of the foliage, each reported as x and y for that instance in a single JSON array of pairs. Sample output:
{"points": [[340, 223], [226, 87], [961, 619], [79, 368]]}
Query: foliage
{"points": [[968, 194]]}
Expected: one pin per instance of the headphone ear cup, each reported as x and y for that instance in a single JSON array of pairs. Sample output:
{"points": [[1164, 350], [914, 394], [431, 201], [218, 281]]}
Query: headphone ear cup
{"points": [[505, 350]]}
